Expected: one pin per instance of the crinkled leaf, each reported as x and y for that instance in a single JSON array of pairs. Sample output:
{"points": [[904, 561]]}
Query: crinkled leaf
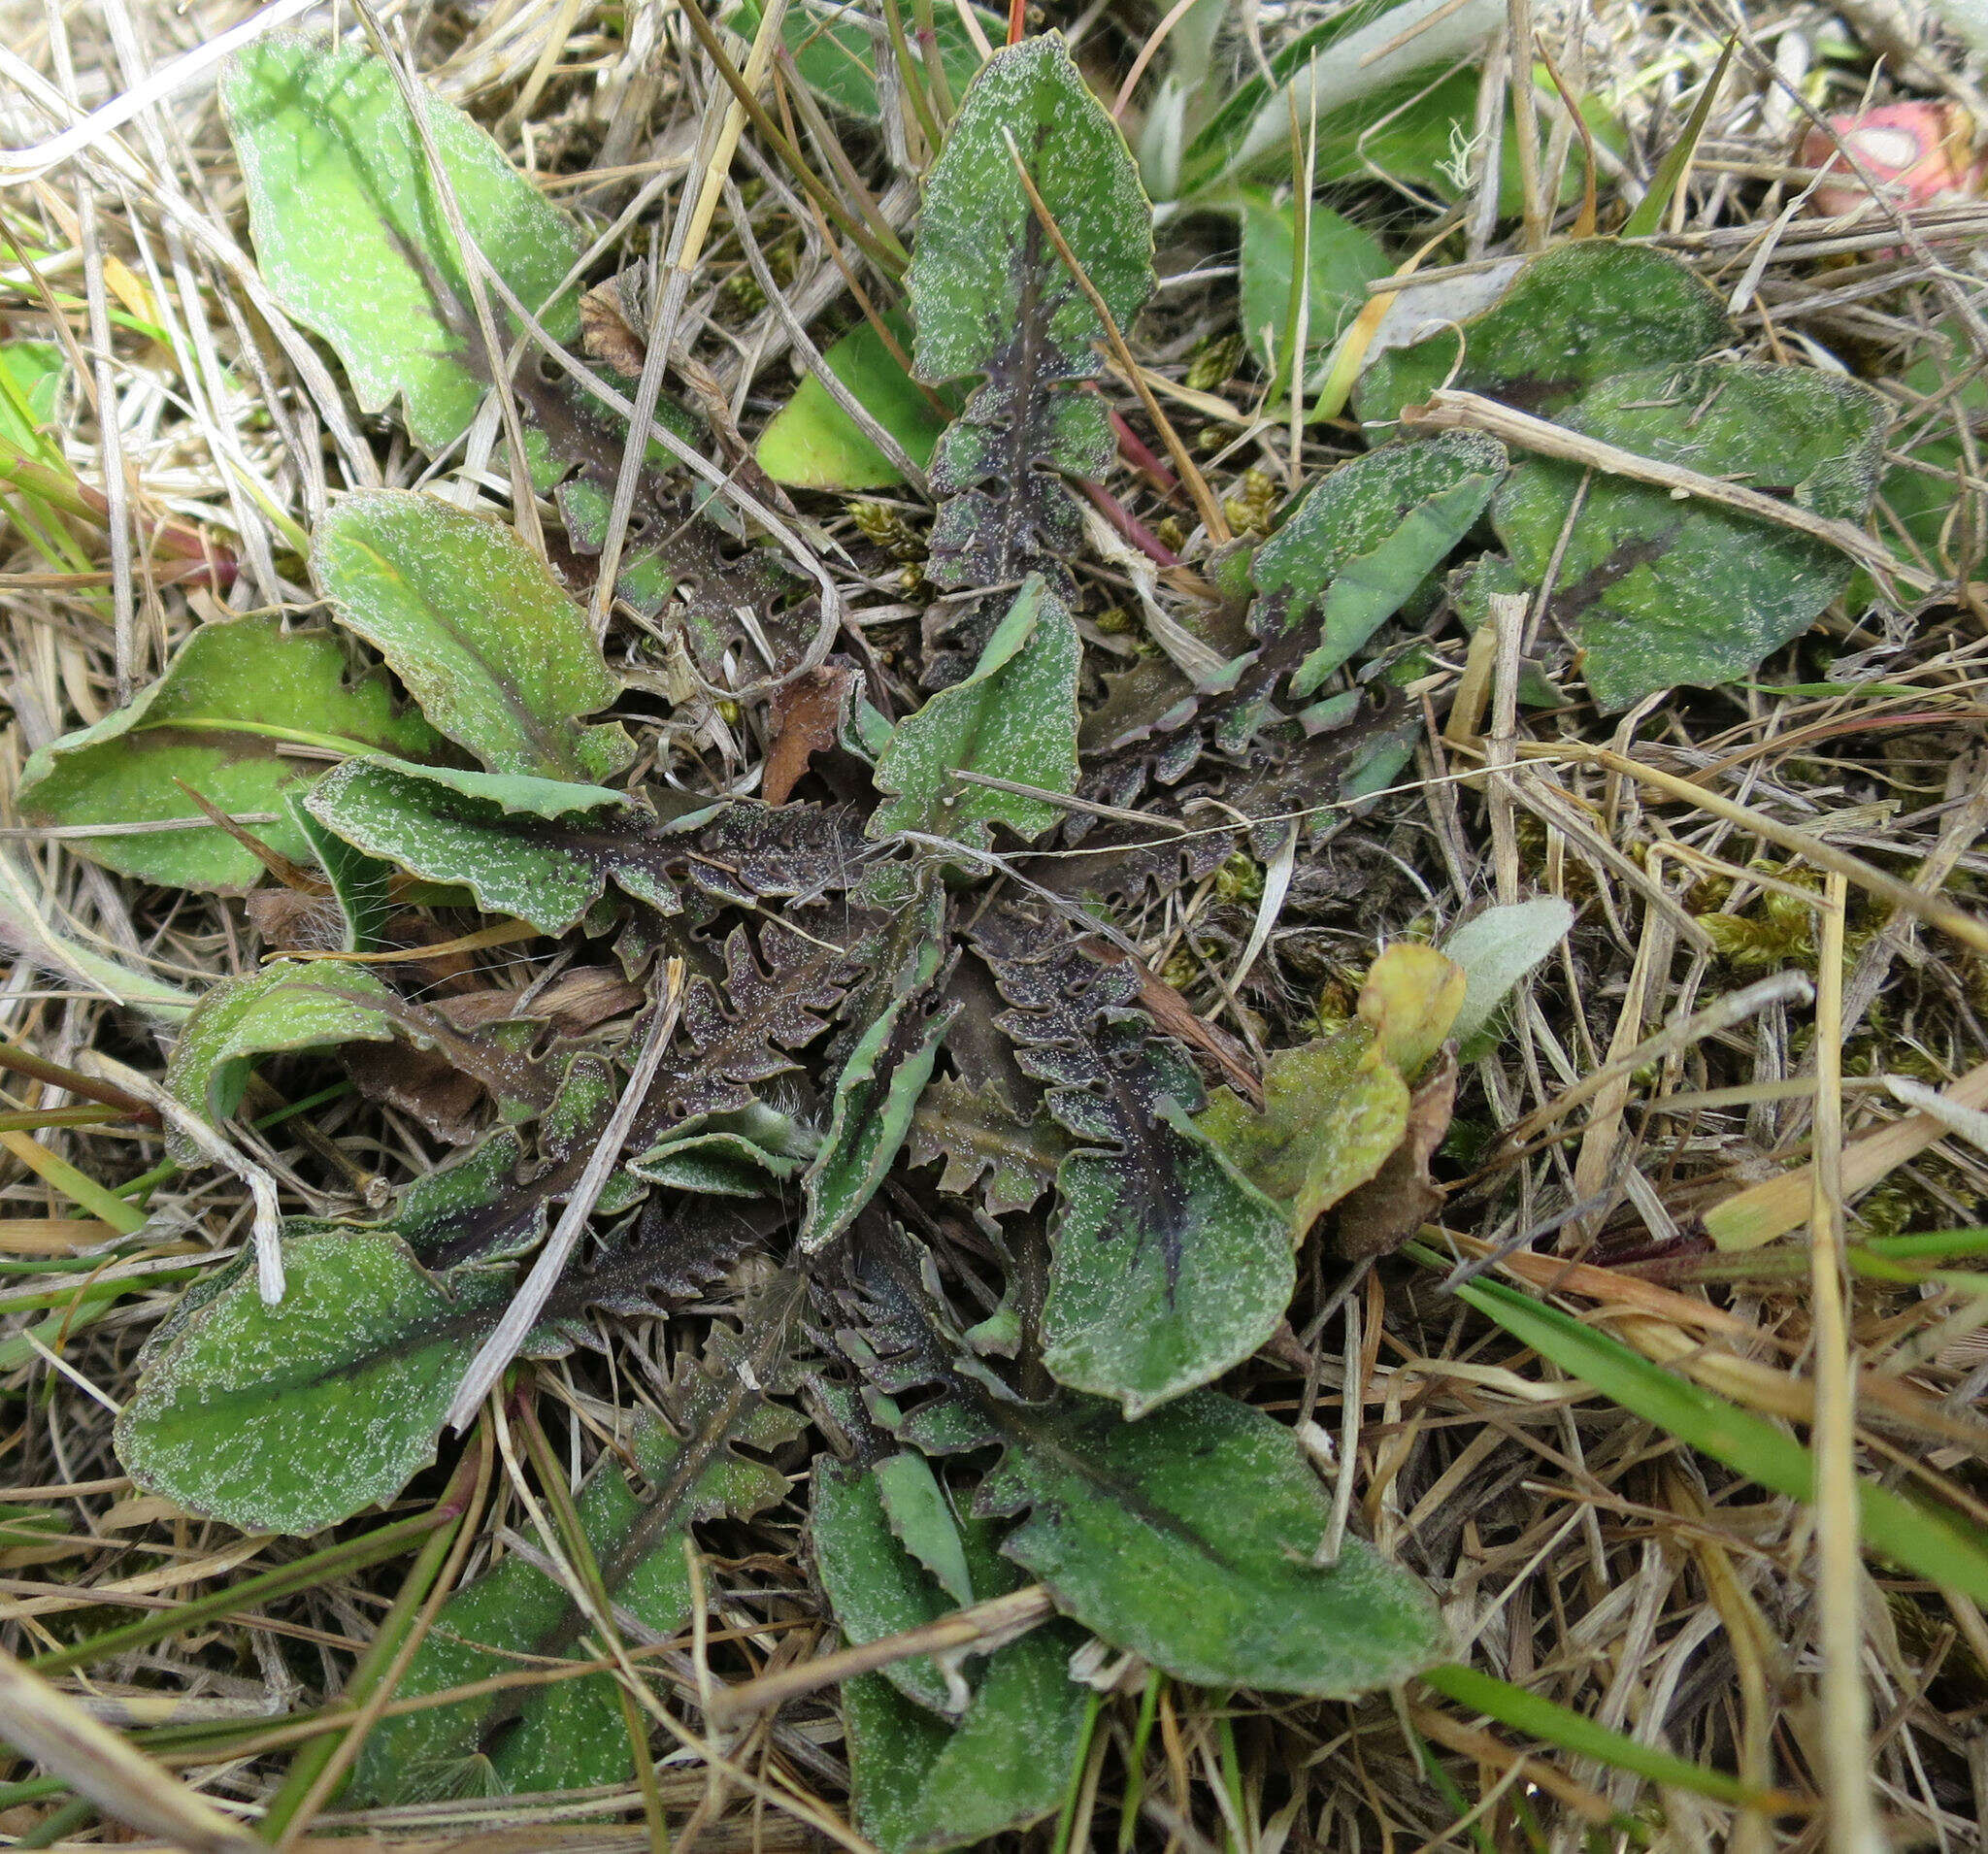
{"points": [[922, 1787], [1575, 314], [836, 52], [570, 1735], [812, 444], [233, 695], [1658, 589], [1334, 1109], [1340, 260], [472, 620], [351, 236], [1188, 1539], [990, 297], [978, 1135], [293, 1417], [1013, 719], [1363, 543], [1496, 950]]}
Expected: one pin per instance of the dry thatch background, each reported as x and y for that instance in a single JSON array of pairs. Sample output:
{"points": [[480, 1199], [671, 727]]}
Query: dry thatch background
{"points": [[1578, 1551]]}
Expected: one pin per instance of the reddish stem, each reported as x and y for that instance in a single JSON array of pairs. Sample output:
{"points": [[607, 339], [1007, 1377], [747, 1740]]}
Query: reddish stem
{"points": [[1132, 447], [1128, 524]]}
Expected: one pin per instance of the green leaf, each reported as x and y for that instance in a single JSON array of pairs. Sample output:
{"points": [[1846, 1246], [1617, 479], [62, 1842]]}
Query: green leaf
{"points": [[922, 1521], [920, 1787], [1496, 950], [875, 1094], [491, 645], [1340, 260], [293, 1417], [1334, 1109], [812, 444], [1187, 1539], [976, 1133], [361, 884], [351, 237], [990, 297], [1932, 1544], [233, 695], [1013, 719], [570, 1735], [539, 850], [32, 373], [285, 1006], [1575, 315], [1575, 1732], [1155, 1291], [876, 1586], [836, 53], [1659, 590], [1366, 539]]}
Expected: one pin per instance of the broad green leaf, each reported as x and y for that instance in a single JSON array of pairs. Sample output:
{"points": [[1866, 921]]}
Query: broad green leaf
{"points": [[1575, 315], [875, 1094], [1658, 589], [990, 297], [1366, 539], [485, 640], [1013, 719], [1188, 1539], [569, 1734], [234, 694], [742, 1154], [922, 1787], [351, 237], [1161, 1283], [1496, 950], [1334, 1109], [1340, 260], [285, 1006], [812, 444], [1932, 1544], [293, 1417], [874, 1585]]}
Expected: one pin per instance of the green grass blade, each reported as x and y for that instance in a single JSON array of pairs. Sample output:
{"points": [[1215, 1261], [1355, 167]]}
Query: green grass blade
{"points": [[1938, 1546], [1648, 215], [1561, 1726]]}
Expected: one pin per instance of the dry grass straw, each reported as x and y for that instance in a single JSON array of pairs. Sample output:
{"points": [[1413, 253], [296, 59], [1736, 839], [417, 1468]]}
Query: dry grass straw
{"points": [[1656, 1078]]}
